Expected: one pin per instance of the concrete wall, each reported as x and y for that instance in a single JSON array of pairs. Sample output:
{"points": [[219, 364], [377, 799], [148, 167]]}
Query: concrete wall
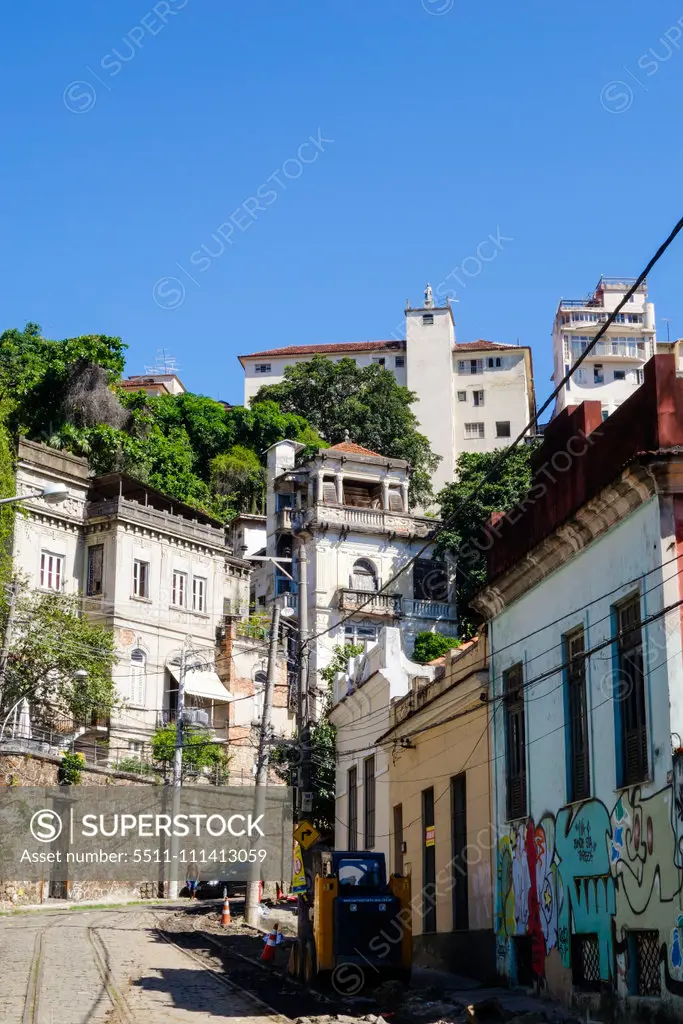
{"points": [[506, 397], [37, 770], [429, 365]]}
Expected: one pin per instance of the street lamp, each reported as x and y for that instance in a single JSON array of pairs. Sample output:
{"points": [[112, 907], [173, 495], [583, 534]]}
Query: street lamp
{"points": [[52, 493]]}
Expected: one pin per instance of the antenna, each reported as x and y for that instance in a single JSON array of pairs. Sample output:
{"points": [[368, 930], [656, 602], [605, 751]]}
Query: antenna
{"points": [[667, 321], [163, 364]]}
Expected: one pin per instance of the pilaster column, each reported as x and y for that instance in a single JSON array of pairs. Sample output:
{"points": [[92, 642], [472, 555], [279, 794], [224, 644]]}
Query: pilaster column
{"points": [[385, 494], [339, 484], [404, 493]]}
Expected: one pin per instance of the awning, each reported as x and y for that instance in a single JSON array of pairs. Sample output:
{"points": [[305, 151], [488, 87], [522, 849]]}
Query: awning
{"points": [[203, 683]]}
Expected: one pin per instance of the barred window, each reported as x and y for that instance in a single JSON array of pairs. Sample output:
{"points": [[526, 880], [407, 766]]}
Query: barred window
{"points": [[515, 742]]}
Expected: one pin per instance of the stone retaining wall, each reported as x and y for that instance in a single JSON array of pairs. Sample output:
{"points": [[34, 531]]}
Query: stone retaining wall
{"points": [[17, 768]]}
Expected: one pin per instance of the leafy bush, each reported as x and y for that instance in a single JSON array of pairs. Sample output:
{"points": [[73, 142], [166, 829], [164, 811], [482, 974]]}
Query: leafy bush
{"points": [[432, 645], [70, 769]]}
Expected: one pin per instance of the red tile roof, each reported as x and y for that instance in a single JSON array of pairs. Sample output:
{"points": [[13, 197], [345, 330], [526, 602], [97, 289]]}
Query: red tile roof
{"points": [[342, 347], [467, 346], [353, 449]]}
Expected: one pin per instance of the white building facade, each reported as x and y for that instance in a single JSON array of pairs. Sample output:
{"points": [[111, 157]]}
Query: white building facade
{"points": [[475, 396], [614, 368], [346, 511], [586, 698], [156, 572]]}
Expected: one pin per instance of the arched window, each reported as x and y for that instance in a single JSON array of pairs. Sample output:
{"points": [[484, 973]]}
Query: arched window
{"points": [[138, 665], [259, 695], [364, 576]]}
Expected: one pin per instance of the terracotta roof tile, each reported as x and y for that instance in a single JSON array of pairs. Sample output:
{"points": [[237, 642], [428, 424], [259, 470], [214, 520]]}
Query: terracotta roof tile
{"points": [[342, 348], [353, 449], [467, 346]]}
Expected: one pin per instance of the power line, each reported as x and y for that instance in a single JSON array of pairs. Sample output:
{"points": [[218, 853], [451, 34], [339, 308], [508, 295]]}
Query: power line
{"points": [[505, 452]]}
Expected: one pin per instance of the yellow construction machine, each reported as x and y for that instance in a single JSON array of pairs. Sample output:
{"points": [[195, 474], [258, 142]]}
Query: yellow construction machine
{"points": [[351, 915]]}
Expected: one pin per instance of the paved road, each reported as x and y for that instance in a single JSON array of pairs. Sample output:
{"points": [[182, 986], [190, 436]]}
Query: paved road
{"points": [[108, 967]]}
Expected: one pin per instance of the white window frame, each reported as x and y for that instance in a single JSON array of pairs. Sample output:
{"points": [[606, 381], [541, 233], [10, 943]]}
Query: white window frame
{"points": [[503, 423], [358, 632], [400, 362], [140, 578], [263, 368], [51, 571], [474, 431], [462, 396], [199, 589], [478, 399], [179, 589], [138, 677]]}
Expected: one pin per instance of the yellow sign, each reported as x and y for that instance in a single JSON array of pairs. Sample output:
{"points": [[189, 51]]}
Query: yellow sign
{"points": [[298, 874], [306, 834], [430, 836]]}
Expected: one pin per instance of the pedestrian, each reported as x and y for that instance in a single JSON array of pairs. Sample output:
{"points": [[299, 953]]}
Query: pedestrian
{"points": [[192, 879]]}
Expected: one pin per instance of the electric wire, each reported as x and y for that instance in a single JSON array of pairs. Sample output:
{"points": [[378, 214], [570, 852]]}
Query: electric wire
{"points": [[505, 452]]}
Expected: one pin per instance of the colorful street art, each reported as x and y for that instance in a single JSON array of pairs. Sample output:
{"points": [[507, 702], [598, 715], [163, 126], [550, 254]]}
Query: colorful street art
{"points": [[592, 871]]}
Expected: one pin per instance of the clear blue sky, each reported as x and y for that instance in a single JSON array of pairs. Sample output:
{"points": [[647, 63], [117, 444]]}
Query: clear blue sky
{"points": [[450, 121]]}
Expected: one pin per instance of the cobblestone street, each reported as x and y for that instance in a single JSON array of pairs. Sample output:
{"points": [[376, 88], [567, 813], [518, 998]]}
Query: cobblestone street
{"points": [[108, 967]]}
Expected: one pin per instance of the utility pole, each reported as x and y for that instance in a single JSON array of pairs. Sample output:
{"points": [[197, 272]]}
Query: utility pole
{"points": [[177, 780], [7, 638], [303, 709], [261, 781]]}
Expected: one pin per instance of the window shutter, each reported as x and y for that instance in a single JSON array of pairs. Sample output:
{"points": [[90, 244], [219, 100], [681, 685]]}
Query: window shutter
{"points": [[329, 492], [395, 500]]}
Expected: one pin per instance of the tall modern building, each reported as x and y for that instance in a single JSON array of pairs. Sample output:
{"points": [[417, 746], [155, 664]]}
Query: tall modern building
{"points": [[471, 397], [614, 368]]}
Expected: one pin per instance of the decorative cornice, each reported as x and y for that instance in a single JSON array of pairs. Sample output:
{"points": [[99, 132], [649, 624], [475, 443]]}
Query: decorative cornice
{"points": [[636, 486]]}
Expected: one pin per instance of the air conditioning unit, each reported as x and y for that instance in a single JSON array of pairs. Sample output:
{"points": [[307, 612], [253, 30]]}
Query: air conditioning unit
{"points": [[196, 716]]}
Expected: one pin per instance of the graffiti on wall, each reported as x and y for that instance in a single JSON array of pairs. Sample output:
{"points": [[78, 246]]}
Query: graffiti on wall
{"points": [[594, 871]]}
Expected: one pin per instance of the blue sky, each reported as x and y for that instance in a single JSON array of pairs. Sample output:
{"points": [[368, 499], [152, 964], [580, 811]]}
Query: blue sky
{"points": [[556, 127]]}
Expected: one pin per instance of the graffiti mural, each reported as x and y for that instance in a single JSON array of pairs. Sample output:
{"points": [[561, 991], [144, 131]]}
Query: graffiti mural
{"points": [[592, 870]]}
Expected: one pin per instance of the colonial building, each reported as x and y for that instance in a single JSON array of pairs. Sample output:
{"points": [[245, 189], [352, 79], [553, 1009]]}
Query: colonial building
{"points": [[437, 754], [361, 712], [614, 368], [583, 603], [345, 511], [160, 575], [475, 396]]}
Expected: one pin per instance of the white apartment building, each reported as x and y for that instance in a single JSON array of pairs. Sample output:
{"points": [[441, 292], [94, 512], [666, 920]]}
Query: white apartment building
{"points": [[474, 396], [347, 508], [614, 368], [152, 569]]}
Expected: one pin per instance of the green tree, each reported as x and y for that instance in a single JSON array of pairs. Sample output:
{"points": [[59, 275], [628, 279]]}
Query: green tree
{"points": [[51, 646], [35, 374], [198, 751], [240, 475], [485, 484], [366, 401], [429, 646]]}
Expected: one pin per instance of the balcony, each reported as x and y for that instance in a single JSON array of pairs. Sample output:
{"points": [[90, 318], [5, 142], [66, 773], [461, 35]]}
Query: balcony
{"points": [[362, 520], [429, 610], [612, 350], [370, 603]]}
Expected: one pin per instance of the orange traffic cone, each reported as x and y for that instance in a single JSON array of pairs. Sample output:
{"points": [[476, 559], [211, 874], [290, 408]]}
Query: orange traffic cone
{"points": [[268, 953], [225, 916]]}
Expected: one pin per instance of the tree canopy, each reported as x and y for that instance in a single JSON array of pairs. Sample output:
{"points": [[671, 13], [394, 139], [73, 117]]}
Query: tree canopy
{"points": [[365, 400], [52, 645], [432, 645], [207, 454], [199, 753], [484, 484]]}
